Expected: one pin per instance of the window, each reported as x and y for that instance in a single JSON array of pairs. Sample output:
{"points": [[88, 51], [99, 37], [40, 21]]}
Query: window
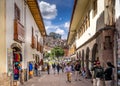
{"points": [[107, 43], [85, 24], [94, 8], [88, 19], [17, 12]]}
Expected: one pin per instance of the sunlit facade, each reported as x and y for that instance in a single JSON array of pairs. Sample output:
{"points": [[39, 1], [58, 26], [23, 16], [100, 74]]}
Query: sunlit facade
{"points": [[92, 28], [22, 31]]}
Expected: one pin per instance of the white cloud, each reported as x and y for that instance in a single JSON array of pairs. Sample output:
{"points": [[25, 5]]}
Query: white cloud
{"points": [[48, 10], [66, 25], [59, 31]]}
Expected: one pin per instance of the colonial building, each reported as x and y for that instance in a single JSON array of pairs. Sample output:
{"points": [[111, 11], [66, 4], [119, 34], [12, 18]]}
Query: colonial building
{"points": [[22, 32], [92, 28], [117, 40]]}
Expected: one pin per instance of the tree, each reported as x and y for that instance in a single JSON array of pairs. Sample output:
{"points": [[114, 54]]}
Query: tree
{"points": [[47, 55], [57, 52]]}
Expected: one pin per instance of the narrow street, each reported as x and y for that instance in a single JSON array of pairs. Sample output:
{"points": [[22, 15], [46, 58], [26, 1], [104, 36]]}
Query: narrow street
{"points": [[56, 80]]}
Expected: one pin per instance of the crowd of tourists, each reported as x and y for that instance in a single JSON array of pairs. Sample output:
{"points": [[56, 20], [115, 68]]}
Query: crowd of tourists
{"points": [[98, 74]]}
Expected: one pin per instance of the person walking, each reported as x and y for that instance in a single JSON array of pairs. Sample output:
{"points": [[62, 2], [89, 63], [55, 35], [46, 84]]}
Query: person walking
{"points": [[77, 70], [98, 71], [48, 68], [58, 68], [36, 69], [53, 67], [108, 74], [68, 70]]}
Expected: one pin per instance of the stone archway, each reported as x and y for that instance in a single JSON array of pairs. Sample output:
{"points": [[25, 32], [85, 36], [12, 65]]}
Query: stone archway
{"points": [[17, 60], [94, 53], [82, 61], [80, 55], [16, 47], [77, 55], [88, 75], [87, 57]]}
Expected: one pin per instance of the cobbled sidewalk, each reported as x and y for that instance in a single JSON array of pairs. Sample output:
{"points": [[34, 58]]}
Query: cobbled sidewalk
{"points": [[56, 80]]}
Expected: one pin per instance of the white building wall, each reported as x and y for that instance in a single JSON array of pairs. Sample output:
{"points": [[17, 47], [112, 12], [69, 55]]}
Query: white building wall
{"points": [[10, 22], [117, 8], [30, 23], [90, 32], [117, 42], [27, 20]]}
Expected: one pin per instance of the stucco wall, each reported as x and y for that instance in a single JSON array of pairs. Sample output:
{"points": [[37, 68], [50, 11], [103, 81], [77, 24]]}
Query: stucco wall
{"points": [[10, 16], [2, 37], [27, 20], [93, 22], [30, 23], [117, 9]]}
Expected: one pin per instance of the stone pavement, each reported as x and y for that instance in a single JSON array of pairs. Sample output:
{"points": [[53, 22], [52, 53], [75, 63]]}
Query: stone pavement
{"points": [[56, 80]]}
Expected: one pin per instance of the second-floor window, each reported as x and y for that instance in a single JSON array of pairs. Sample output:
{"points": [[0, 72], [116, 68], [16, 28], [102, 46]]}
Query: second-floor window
{"points": [[85, 24], [94, 8], [17, 12]]}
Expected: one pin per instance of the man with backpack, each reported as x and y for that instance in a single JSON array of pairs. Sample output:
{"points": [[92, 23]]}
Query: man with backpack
{"points": [[98, 74], [77, 71]]}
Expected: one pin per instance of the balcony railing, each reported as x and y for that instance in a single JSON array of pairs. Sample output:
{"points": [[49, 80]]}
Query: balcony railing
{"points": [[19, 32]]}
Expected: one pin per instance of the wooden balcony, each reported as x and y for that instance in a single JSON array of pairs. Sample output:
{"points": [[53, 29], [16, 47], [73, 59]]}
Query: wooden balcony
{"points": [[34, 43], [19, 32], [41, 48], [38, 46]]}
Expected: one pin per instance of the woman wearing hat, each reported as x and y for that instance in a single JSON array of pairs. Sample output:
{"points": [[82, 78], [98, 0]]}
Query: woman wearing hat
{"points": [[108, 74]]}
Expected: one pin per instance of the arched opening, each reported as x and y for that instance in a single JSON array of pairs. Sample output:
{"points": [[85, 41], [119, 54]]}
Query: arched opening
{"points": [[82, 62], [80, 55], [88, 74], [87, 58], [17, 59], [77, 55], [94, 53]]}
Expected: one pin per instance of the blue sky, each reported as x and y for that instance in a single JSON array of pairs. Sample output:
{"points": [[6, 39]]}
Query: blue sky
{"points": [[57, 15]]}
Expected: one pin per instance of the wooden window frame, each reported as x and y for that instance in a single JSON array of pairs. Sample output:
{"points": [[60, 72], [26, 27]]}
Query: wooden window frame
{"points": [[16, 12]]}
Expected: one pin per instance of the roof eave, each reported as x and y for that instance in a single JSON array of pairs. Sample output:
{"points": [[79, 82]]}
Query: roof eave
{"points": [[34, 8]]}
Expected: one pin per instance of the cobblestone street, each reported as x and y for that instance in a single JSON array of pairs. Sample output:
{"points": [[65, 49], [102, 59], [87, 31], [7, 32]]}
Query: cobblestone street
{"points": [[56, 80]]}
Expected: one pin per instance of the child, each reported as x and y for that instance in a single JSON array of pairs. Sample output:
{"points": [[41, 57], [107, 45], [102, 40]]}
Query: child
{"points": [[68, 70]]}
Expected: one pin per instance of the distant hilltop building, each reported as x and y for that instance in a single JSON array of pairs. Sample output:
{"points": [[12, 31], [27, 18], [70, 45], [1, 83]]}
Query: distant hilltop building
{"points": [[54, 39], [55, 35]]}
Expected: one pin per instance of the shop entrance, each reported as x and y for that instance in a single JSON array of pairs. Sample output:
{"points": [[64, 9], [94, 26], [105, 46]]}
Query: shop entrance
{"points": [[17, 62]]}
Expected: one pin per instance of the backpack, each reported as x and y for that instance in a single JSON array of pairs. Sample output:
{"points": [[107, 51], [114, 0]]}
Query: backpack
{"points": [[99, 72], [77, 67]]}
